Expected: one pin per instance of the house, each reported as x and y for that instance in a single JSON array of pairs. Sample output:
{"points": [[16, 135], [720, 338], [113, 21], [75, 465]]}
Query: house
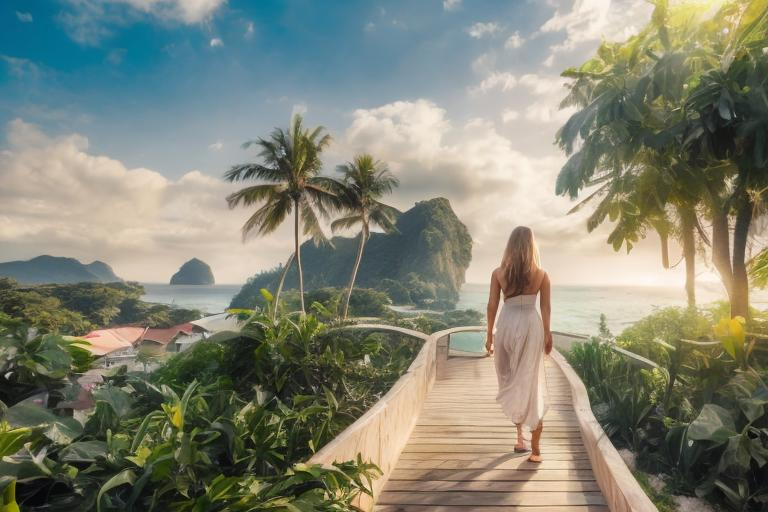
{"points": [[171, 339]]}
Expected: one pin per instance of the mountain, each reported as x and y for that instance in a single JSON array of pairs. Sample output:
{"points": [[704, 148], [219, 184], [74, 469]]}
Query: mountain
{"points": [[194, 271], [55, 269], [424, 262]]}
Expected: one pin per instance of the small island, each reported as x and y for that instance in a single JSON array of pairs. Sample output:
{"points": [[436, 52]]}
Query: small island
{"points": [[195, 272]]}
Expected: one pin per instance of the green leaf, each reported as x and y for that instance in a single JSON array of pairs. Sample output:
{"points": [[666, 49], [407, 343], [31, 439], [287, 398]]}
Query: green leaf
{"points": [[59, 429], [126, 476], [120, 401], [11, 441], [713, 424], [752, 408], [8, 497], [83, 451]]}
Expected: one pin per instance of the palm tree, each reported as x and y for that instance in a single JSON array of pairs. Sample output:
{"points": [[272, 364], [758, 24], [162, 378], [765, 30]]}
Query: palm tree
{"points": [[365, 180], [289, 183]]}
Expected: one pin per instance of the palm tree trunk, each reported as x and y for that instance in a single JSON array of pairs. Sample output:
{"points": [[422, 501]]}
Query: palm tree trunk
{"points": [[740, 286], [363, 237], [297, 252], [664, 249], [721, 245], [280, 284], [688, 225]]}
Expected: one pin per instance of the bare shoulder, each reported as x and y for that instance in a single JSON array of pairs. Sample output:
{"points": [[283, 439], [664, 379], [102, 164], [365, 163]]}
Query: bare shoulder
{"points": [[543, 276]]}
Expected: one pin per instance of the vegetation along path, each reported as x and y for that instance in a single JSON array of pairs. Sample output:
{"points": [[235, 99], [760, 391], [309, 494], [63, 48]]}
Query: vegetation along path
{"points": [[459, 456]]}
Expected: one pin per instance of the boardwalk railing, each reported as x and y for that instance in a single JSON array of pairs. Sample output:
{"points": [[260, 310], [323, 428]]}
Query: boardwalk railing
{"points": [[381, 434]]}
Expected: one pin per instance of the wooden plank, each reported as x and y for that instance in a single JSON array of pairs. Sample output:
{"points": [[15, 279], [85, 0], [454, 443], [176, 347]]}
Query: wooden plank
{"points": [[499, 475], [491, 440], [412, 447], [491, 498], [547, 454], [520, 463], [492, 486], [472, 508]]}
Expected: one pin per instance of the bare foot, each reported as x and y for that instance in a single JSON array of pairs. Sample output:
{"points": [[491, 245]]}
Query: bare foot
{"points": [[535, 457], [520, 447]]}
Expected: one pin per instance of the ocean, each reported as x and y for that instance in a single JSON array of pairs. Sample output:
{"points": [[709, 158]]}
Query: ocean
{"points": [[575, 309]]}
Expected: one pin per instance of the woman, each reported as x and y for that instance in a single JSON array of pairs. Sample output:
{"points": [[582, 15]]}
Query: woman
{"points": [[522, 336]]}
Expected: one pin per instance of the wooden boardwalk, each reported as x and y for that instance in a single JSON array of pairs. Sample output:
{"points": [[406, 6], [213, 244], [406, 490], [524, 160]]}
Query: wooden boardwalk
{"points": [[460, 458]]}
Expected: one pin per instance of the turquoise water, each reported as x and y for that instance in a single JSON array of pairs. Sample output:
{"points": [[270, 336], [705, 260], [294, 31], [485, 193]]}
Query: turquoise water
{"points": [[575, 309]]}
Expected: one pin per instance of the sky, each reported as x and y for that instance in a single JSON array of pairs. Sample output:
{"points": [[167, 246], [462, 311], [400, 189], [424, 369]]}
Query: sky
{"points": [[118, 119]]}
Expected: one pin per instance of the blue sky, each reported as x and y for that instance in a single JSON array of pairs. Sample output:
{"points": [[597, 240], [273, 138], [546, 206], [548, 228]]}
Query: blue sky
{"points": [[119, 117]]}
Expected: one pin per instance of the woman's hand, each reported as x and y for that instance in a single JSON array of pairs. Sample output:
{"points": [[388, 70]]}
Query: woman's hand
{"points": [[489, 344], [548, 343]]}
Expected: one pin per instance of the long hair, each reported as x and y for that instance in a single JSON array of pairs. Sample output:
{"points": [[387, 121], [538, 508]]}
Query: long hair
{"points": [[521, 258]]}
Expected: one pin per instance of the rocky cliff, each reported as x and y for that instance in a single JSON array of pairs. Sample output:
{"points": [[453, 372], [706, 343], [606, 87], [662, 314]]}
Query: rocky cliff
{"points": [[423, 263], [194, 271]]}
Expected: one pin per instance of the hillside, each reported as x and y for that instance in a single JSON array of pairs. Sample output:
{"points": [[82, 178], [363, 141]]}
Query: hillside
{"points": [[423, 263], [54, 269], [195, 272]]}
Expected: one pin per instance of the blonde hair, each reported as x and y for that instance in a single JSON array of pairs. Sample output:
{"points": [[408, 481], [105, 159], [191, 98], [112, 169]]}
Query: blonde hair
{"points": [[521, 258]]}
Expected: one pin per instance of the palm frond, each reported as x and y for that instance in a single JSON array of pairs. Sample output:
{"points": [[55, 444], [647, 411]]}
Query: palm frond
{"points": [[346, 222], [311, 224], [252, 171], [249, 196], [268, 218]]}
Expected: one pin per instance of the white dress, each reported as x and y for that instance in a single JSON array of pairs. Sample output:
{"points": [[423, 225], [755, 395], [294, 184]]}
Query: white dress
{"points": [[519, 360]]}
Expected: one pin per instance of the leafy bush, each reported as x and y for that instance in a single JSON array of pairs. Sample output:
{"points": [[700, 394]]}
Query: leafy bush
{"points": [[32, 363], [223, 426], [700, 417], [77, 308]]}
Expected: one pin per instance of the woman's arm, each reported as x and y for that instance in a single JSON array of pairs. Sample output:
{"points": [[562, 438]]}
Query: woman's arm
{"points": [[546, 312], [493, 306]]}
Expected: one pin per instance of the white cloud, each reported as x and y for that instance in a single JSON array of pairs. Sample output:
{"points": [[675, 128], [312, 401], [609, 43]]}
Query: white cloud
{"points": [[21, 68], [369, 27], [216, 43], [299, 108], [88, 22], [185, 11], [514, 41], [24, 17], [56, 197], [116, 56], [485, 63], [249, 30], [547, 112], [216, 146], [543, 85], [480, 29], [503, 80], [491, 185], [585, 21], [451, 5], [508, 115]]}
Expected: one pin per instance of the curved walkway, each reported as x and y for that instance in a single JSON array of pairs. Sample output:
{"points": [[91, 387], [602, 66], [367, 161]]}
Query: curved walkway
{"points": [[460, 457], [444, 444]]}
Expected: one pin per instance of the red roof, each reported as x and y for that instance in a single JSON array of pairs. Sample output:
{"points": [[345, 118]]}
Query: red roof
{"points": [[104, 341], [165, 336]]}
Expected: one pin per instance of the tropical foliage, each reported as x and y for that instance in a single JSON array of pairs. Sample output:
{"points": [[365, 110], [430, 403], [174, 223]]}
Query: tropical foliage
{"points": [[77, 308], [670, 134], [694, 408], [225, 425]]}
